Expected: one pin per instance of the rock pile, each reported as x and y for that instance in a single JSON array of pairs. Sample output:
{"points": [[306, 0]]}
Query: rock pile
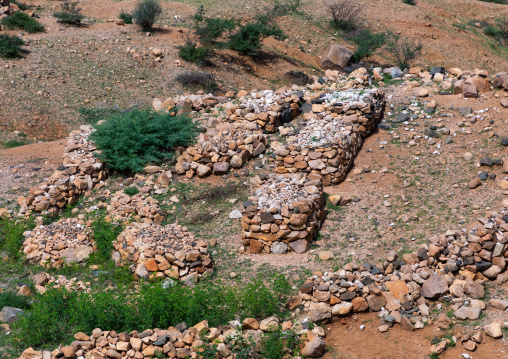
{"points": [[123, 207], [217, 151], [63, 242], [326, 144], [455, 264], [284, 213], [43, 280], [80, 171], [155, 251], [176, 342]]}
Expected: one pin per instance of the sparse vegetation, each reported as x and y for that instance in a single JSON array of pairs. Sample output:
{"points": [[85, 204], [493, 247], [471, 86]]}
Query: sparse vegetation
{"points": [[69, 13], [131, 191], [10, 45], [409, 2], [403, 51], [130, 140], [126, 17], [22, 6], [14, 143], [247, 40], [146, 13], [104, 234], [20, 20], [345, 13], [367, 43], [204, 80], [11, 235]]}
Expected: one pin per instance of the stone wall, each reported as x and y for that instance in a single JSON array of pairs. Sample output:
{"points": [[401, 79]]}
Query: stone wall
{"points": [[284, 214], [156, 251]]}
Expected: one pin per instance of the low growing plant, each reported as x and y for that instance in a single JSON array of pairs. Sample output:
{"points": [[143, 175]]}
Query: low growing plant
{"points": [[130, 140], [11, 235], [367, 42], [247, 39], [403, 51], [69, 13], [146, 13], [409, 2], [10, 299], [192, 53], [131, 191], [10, 45], [205, 80], [126, 17], [20, 20], [104, 234]]}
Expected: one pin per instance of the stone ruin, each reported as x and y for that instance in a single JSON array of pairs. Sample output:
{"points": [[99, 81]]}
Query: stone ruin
{"points": [[156, 251], [284, 214]]}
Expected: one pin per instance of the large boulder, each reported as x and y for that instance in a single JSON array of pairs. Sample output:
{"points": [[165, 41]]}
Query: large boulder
{"points": [[434, 287], [336, 57], [10, 314], [311, 345]]}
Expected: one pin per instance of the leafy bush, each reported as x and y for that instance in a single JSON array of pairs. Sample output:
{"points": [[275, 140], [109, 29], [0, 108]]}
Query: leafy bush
{"points": [[126, 17], [10, 46], [146, 13], [20, 20], [131, 191], [193, 53], [284, 7], [58, 313], [247, 39], [202, 79], [14, 143], [130, 140], [279, 344], [10, 299], [209, 30], [104, 234], [367, 42], [492, 31], [11, 235], [403, 51], [503, 29], [409, 2], [503, 2], [70, 13], [345, 13]]}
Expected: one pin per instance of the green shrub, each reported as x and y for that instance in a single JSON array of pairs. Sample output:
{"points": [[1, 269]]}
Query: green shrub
{"points": [[193, 53], [130, 140], [20, 20], [204, 80], [409, 2], [492, 31], [279, 344], [14, 143], [10, 46], [367, 42], [70, 13], [131, 191], [11, 235], [403, 51], [345, 14], [146, 13], [57, 314], [503, 29], [209, 30], [126, 17], [104, 234], [10, 299], [503, 2], [284, 7], [247, 40]]}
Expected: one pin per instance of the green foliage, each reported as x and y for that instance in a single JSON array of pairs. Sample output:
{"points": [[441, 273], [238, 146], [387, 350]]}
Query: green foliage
{"points": [[492, 31], [146, 13], [503, 2], [126, 17], [367, 42], [130, 140], [284, 7], [20, 20], [205, 80], [10, 46], [10, 299], [213, 29], [403, 51], [14, 143], [247, 40], [94, 115], [69, 13], [409, 2], [104, 234], [11, 235], [279, 344], [193, 53], [58, 313], [131, 191]]}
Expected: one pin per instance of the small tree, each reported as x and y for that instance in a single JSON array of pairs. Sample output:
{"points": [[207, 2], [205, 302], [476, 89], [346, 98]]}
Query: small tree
{"points": [[146, 13], [403, 51], [345, 13], [247, 39], [70, 13], [10, 46]]}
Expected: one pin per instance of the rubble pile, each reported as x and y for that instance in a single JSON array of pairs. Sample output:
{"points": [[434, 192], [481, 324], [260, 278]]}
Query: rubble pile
{"points": [[327, 142], [63, 242], [218, 150], [178, 342], [44, 280], [155, 251], [284, 214], [123, 207], [80, 171]]}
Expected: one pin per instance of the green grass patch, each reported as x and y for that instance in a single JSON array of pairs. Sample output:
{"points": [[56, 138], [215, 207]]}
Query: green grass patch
{"points": [[20, 20], [14, 143]]}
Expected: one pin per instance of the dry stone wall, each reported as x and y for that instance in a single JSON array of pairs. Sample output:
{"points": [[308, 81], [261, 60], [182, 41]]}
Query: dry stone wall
{"points": [[284, 214], [156, 251]]}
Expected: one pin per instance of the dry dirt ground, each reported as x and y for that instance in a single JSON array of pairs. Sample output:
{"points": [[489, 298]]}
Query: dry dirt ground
{"points": [[403, 193]]}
